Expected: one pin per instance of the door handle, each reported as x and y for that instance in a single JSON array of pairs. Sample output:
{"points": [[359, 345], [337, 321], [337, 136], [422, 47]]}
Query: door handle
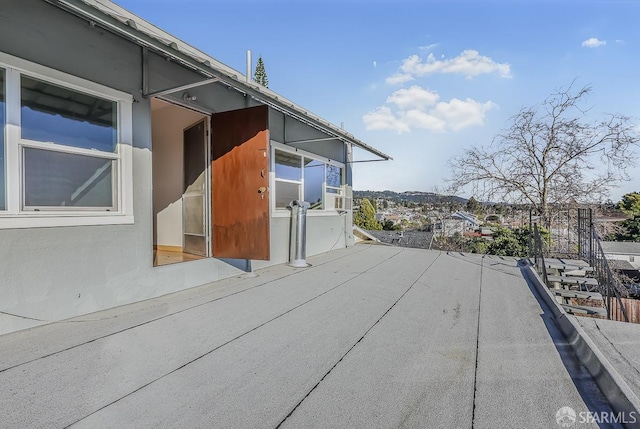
{"points": [[261, 191]]}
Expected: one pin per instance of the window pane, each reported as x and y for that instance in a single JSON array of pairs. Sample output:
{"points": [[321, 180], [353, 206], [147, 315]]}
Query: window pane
{"points": [[2, 128], [334, 176], [313, 181], [288, 166], [51, 113], [285, 193], [56, 179]]}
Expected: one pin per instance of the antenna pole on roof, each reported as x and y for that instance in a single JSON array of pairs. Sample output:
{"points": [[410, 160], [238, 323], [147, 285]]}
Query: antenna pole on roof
{"points": [[248, 65]]}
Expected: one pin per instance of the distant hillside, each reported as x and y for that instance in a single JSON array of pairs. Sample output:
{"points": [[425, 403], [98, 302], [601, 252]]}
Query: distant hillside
{"points": [[413, 196]]}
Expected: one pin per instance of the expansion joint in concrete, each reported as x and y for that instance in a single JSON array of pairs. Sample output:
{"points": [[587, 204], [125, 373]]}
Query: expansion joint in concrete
{"points": [[255, 328], [356, 343], [475, 373]]}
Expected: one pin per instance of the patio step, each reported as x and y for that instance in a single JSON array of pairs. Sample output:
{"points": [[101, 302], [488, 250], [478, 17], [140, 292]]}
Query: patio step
{"points": [[575, 273], [567, 261], [569, 267], [572, 273], [573, 280], [577, 294], [584, 309]]}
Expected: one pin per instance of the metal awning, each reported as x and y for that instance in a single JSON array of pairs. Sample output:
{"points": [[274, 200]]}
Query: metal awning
{"points": [[118, 20]]}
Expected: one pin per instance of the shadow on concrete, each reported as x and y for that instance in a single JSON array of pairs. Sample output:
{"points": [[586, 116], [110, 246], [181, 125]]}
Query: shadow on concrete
{"points": [[241, 264]]}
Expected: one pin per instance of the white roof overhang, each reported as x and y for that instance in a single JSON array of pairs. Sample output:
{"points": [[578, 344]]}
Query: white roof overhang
{"points": [[118, 20]]}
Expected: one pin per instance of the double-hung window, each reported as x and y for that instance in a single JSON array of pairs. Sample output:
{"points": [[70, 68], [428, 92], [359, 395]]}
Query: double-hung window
{"points": [[303, 176], [68, 145], [65, 154]]}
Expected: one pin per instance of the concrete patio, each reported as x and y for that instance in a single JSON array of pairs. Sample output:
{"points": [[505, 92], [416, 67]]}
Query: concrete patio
{"points": [[368, 337]]}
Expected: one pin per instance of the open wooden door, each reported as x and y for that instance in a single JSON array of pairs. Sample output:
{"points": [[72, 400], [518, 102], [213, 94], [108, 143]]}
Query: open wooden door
{"points": [[239, 183]]}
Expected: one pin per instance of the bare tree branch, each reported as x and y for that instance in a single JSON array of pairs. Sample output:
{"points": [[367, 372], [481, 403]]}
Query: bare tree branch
{"points": [[550, 155]]}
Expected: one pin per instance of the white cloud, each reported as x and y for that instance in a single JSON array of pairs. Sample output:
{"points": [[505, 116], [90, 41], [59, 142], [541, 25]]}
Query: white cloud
{"points": [[469, 63], [463, 113], [620, 41], [375, 64], [593, 42], [381, 118], [419, 108], [428, 47], [425, 120], [399, 78], [410, 65], [413, 97]]}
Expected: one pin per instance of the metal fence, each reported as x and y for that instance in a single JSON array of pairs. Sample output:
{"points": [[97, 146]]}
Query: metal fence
{"points": [[562, 231], [585, 240], [590, 250], [538, 249]]}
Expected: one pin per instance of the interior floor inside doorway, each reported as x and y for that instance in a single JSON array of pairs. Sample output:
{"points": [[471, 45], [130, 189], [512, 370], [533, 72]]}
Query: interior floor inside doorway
{"points": [[166, 257]]}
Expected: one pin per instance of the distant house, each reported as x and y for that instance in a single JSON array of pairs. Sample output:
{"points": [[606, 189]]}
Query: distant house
{"points": [[624, 257], [391, 217], [451, 224], [471, 221], [494, 218], [622, 251], [126, 151], [448, 227]]}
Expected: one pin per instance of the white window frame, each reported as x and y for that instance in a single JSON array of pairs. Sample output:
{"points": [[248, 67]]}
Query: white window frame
{"points": [[279, 212], [339, 190], [15, 215]]}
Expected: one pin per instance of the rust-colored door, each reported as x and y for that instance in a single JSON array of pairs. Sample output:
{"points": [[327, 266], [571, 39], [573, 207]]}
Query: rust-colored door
{"points": [[239, 183]]}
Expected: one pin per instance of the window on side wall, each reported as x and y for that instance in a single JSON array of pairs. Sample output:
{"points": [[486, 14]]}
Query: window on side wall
{"points": [[313, 183], [288, 169], [333, 184], [68, 160], [302, 176]]}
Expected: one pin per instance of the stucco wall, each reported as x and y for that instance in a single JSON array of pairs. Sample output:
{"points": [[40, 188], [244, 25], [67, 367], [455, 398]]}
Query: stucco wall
{"points": [[50, 274], [324, 233]]}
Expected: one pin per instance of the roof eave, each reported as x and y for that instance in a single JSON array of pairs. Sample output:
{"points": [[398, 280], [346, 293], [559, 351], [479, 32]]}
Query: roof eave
{"points": [[128, 26]]}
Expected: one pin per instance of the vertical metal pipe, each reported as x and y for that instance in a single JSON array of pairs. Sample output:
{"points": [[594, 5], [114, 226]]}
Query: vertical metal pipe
{"points": [[569, 247], [301, 228], [609, 300], [145, 70], [249, 64], [579, 234], [530, 233], [592, 238], [298, 239]]}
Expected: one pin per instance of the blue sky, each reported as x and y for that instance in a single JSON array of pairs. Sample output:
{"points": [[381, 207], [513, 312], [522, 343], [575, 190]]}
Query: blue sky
{"points": [[420, 80]]}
